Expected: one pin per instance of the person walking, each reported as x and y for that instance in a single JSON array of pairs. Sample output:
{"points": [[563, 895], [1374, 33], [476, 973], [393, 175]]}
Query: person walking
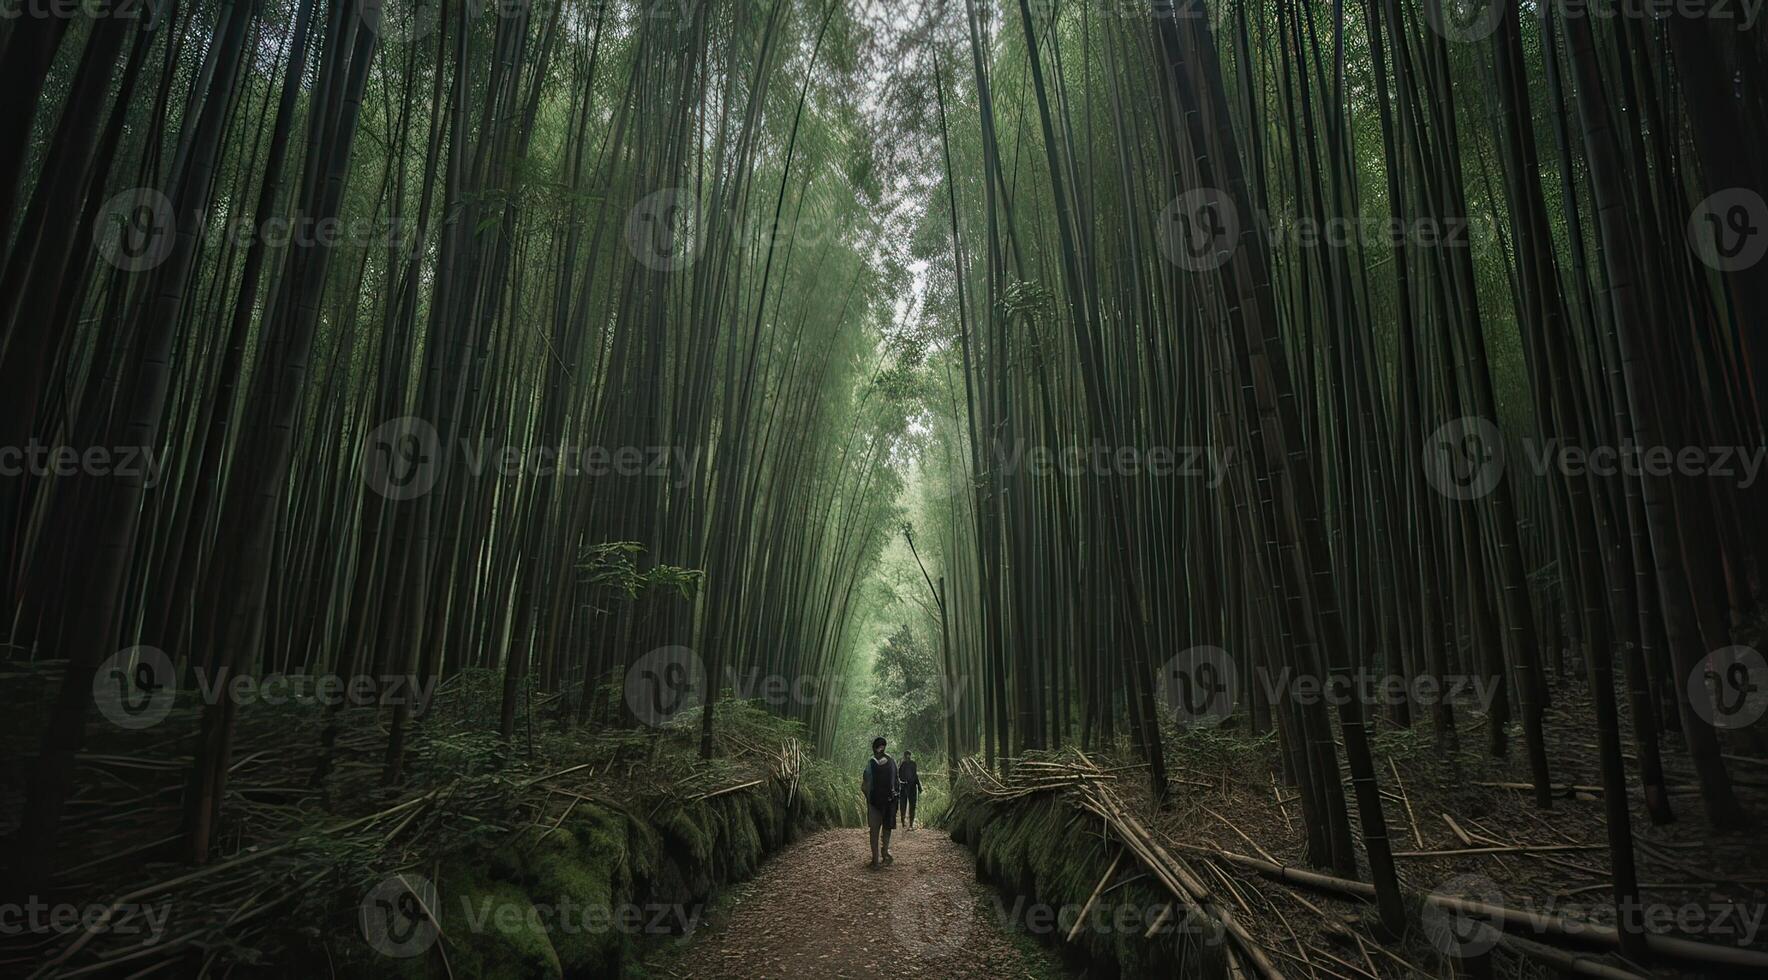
{"points": [[879, 786], [909, 790]]}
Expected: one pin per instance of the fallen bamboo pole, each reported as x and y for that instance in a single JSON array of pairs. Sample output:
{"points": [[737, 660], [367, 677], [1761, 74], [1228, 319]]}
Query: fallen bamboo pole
{"points": [[727, 789], [1562, 789], [1565, 962], [1504, 849]]}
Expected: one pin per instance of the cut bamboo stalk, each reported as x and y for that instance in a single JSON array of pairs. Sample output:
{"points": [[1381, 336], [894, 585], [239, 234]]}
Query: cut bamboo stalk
{"points": [[1460, 835], [1081, 919], [1505, 849], [1410, 816]]}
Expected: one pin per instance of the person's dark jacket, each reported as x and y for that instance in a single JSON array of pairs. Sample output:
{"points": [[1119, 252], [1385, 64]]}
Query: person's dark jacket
{"points": [[909, 779], [883, 782]]}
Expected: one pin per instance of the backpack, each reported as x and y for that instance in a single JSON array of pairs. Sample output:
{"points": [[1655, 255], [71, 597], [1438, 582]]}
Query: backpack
{"points": [[880, 794]]}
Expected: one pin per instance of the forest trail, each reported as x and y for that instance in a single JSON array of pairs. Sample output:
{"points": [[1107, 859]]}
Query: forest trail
{"points": [[816, 910]]}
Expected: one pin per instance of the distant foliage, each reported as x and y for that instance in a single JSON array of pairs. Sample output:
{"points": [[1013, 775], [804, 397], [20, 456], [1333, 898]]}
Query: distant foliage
{"points": [[905, 700]]}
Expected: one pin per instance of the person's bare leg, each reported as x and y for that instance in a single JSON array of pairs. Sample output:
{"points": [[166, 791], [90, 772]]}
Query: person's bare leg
{"points": [[887, 857]]}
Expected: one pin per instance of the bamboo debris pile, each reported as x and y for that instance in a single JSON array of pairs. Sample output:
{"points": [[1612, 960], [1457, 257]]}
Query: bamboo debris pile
{"points": [[1573, 944], [790, 769], [292, 857], [222, 909], [1174, 873], [1029, 777], [1090, 789]]}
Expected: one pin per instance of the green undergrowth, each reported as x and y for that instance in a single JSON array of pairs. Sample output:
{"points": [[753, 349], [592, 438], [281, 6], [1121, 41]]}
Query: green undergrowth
{"points": [[933, 808], [1045, 859], [585, 893]]}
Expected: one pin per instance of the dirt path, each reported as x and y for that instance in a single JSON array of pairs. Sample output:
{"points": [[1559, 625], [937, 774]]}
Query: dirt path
{"points": [[816, 910]]}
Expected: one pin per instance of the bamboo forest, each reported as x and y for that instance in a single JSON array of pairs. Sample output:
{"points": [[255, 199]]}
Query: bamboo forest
{"points": [[549, 488]]}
